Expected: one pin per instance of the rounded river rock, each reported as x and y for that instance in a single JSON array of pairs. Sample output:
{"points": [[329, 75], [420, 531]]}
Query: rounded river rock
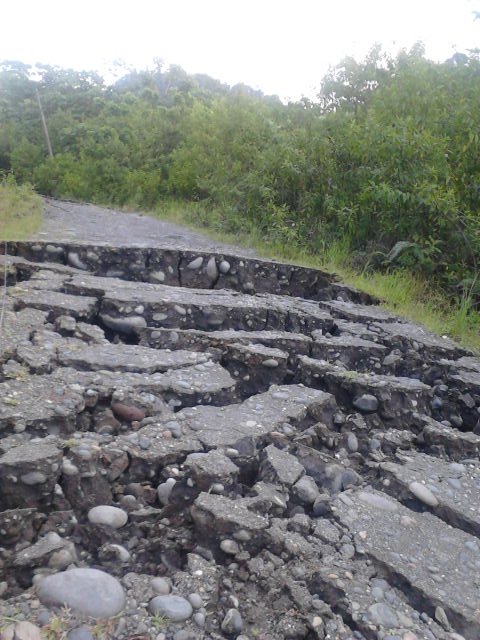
{"points": [[90, 592]]}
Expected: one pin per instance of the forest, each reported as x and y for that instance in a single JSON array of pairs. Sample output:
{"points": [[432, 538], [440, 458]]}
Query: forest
{"points": [[385, 162]]}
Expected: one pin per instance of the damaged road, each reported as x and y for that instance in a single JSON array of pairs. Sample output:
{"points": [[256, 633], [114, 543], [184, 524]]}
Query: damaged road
{"points": [[251, 452]]}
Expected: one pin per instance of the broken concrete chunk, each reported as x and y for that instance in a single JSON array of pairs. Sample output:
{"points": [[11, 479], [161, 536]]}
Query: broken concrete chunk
{"points": [[241, 425], [280, 467], [28, 474], [399, 539], [211, 467], [216, 516]]}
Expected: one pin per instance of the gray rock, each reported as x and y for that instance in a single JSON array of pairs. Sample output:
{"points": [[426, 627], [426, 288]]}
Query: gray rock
{"points": [[22, 631], [423, 493], [124, 325], [381, 614], [75, 261], [177, 609], [441, 617], [80, 633], [232, 624], [161, 586], [212, 467], [199, 619], [109, 516], [90, 592], [366, 403], [164, 490], [212, 271], [352, 443], [224, 267], [230, 547], [306, 490], [196, 263], [280, 466], [195, 600]]}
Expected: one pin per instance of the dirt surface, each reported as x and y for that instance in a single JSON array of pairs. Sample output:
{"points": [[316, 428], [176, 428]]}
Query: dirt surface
{"points": [[86, 223]]}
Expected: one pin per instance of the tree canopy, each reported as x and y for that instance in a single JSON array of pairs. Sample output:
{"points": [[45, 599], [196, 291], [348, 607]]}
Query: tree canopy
{"points": [[387, 158]]}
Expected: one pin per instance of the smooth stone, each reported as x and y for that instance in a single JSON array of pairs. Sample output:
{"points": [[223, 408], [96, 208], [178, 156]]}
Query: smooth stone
{"points": [[366, 403], [352, 443], [127, 412], [44, 617], [164, 490], [160, 586], [199, 619], [176, 608], [424, 494], [456, 467], [379, 502], [22, 631], [75, 261], [80, 633], [195, 600], [349, 478], [270, 363], [196, 263], [383, 615], [123, 555], [212, 271], [33, 478], [230, 547], [124, 325], [158, 275], [378, 593], [232, 623], [109, 516], [224, 267], [183, 635], [90, 592]]}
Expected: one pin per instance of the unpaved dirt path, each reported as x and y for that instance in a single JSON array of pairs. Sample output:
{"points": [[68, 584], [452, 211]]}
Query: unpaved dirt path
{"points": [[66, 221]]}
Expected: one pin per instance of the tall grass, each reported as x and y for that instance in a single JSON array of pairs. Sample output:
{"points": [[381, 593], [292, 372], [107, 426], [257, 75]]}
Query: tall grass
{"points": [[20, 210]]}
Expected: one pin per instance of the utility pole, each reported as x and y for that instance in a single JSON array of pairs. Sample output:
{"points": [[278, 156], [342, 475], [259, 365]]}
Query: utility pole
{"points": [[44, 125]]}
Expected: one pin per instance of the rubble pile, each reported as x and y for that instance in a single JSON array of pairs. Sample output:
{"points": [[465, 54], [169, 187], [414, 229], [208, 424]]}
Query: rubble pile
{"points": [[205, 446]]}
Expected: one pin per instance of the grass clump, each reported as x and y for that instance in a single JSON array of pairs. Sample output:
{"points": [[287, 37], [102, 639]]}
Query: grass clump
{"points": [[20, 210]]}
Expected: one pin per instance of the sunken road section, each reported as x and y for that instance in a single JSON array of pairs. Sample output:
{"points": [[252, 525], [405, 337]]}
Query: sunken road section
{"points": [[201, 445]]}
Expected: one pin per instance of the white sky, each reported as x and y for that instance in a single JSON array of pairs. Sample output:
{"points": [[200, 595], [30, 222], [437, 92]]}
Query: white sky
{"points": [[283, 47]]}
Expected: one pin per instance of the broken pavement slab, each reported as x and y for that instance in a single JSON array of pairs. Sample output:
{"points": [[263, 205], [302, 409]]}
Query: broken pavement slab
{"points": [[399, 540], [55, 303], [28, 474], [125, 358], [396, 397], [39, 404], [450, 490], [244, 425]]}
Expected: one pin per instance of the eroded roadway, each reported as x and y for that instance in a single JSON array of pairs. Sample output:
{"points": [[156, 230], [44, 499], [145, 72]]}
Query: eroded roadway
{"points": [[199, 443]]}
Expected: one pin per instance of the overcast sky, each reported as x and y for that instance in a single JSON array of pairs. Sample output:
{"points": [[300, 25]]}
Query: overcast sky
{"points": [[282, 47]]}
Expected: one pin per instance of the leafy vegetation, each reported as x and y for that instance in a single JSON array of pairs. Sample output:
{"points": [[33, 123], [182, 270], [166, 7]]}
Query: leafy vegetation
{"points": [[20, 210], [383, 169]]}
